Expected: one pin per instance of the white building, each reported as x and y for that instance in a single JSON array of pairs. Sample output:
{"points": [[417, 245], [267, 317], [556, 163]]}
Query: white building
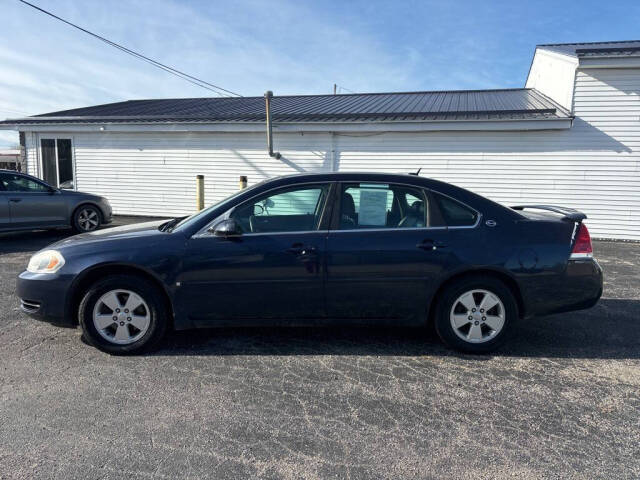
{"points": [[10, 159], [570, 138]]}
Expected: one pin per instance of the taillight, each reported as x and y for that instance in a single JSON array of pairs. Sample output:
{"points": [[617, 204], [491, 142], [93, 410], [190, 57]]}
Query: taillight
{"points": [[582, 248]]}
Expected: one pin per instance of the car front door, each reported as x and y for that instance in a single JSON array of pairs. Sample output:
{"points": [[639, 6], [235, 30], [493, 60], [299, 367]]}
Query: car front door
{"points": [[5, 217], [385, 250], [32, 203], [271, 270]]}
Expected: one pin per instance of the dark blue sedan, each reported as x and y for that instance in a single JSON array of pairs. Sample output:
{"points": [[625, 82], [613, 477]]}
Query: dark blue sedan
{"points": [[321, 249]]}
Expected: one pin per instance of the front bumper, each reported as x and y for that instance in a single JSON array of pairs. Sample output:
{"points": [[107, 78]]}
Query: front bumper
{"points": [[107, 212], [44, 296]]}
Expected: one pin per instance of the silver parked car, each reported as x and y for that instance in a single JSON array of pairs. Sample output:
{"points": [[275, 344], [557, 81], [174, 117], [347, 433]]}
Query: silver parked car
{"points": [[28, 203]]}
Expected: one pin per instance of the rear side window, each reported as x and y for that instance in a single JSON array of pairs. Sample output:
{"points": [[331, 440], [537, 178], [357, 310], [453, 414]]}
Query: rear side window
{"points": [[454, 213], [381, 205]]}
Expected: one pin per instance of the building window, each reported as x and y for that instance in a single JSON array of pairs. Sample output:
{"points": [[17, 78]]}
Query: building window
{"points": [[57, 162]]}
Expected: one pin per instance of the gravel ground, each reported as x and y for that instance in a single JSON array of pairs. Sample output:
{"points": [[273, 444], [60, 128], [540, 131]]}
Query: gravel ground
{"points": [[560, 401]]}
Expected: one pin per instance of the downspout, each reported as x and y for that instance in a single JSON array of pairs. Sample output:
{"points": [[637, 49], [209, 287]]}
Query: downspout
{"points": [[267, 97]]}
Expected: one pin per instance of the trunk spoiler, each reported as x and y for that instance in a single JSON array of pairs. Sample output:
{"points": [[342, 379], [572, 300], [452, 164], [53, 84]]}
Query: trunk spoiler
{"points": [[567, 213]]}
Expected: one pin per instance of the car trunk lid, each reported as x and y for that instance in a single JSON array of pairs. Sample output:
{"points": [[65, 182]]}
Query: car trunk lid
{"points": [[576, 231]]}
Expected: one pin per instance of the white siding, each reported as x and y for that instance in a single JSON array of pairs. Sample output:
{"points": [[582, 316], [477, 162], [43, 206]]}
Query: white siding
{"points": [[553, 74], [32, 154], [594, 166], [155, 174]]}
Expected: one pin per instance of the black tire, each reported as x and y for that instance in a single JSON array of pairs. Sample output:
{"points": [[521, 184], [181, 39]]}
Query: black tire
{"points": [[451, 294], [157, 310], [86, 218]]}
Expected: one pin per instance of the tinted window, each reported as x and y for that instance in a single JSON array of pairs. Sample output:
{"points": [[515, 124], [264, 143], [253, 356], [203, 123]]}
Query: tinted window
{"points": [[49, 168], [288, 210], [18, 183], [65, 163], [57, 162], [378, 205], [454, 213]]}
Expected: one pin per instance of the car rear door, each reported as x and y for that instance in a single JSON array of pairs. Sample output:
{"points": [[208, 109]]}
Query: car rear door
{"points": [[32, 203], [384, 253], [273, 270]]}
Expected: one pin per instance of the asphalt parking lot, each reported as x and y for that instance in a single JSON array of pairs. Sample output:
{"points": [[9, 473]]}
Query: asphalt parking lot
{"points": [[562, 400]]}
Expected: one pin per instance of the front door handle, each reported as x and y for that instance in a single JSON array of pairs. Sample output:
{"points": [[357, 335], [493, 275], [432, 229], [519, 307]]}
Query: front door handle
{"points": [[15, 200], [429, 244], [301, 249], [306, 254]]}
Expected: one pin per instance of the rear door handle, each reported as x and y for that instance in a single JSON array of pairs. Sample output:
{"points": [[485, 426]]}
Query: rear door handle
{"points": [[15, 200], [430, 245]]}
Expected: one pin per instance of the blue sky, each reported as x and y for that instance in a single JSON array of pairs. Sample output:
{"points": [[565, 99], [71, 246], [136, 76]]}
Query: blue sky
{"points": [[290, 47]]}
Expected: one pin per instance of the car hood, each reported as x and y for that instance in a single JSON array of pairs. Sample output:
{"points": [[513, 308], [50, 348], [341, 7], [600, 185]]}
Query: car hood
{"points": [[137, 230], [74, 193]]}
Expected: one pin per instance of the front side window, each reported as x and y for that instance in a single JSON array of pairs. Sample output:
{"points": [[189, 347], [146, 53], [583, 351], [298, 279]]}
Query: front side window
{"points": [[17, 183], [297, 209], [379, 205], [454, 213]]}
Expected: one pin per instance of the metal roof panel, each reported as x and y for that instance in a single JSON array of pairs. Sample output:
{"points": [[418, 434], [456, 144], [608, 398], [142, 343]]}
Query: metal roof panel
{"points": [[426, 106], [626, 47]]}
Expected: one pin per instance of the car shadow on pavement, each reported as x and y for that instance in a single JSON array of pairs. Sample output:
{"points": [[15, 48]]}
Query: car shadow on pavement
{"points": [[608, 331]]}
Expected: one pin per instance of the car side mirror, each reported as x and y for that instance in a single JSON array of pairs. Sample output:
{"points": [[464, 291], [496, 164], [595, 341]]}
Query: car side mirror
{"points": [[53, 190], [226, 228]]}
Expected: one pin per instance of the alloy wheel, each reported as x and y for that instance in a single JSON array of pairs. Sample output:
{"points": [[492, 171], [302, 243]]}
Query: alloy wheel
{"points": [[477, 316], [88, 219], [121, 316]]}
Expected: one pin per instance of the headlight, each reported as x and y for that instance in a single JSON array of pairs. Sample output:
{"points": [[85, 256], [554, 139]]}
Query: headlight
{"points": [[49, 261]]}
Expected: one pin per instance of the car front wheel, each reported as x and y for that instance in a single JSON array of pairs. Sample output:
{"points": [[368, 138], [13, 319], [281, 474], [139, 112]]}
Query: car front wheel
{"points": [[87, 218], [475, 314], [123, 315]]}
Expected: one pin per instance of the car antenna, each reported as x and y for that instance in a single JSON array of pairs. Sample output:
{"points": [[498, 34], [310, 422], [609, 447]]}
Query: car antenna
{"points": [[417, 173]]}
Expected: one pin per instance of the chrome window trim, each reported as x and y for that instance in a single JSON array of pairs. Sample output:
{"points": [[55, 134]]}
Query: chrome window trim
{"points": [[298, 232], [204, 232], [394, 229]]}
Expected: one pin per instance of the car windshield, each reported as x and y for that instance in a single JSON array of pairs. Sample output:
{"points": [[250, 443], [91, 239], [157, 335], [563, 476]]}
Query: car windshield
{"points": [[187, 221]]}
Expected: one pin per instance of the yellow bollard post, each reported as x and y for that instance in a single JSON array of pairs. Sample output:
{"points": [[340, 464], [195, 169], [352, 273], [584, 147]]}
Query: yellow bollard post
{"points": [[200, 192]]}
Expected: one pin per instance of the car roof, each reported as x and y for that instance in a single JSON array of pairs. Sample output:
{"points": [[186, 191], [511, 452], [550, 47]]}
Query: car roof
{"points": [[405, 178], [337, 176]]}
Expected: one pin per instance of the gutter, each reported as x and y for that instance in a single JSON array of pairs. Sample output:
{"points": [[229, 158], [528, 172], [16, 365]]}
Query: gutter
{"points": [[258, 127]]}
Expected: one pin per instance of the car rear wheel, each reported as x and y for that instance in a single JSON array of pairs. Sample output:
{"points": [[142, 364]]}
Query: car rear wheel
{"points": [[123, 315], [86, 218], [475, 314]]}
